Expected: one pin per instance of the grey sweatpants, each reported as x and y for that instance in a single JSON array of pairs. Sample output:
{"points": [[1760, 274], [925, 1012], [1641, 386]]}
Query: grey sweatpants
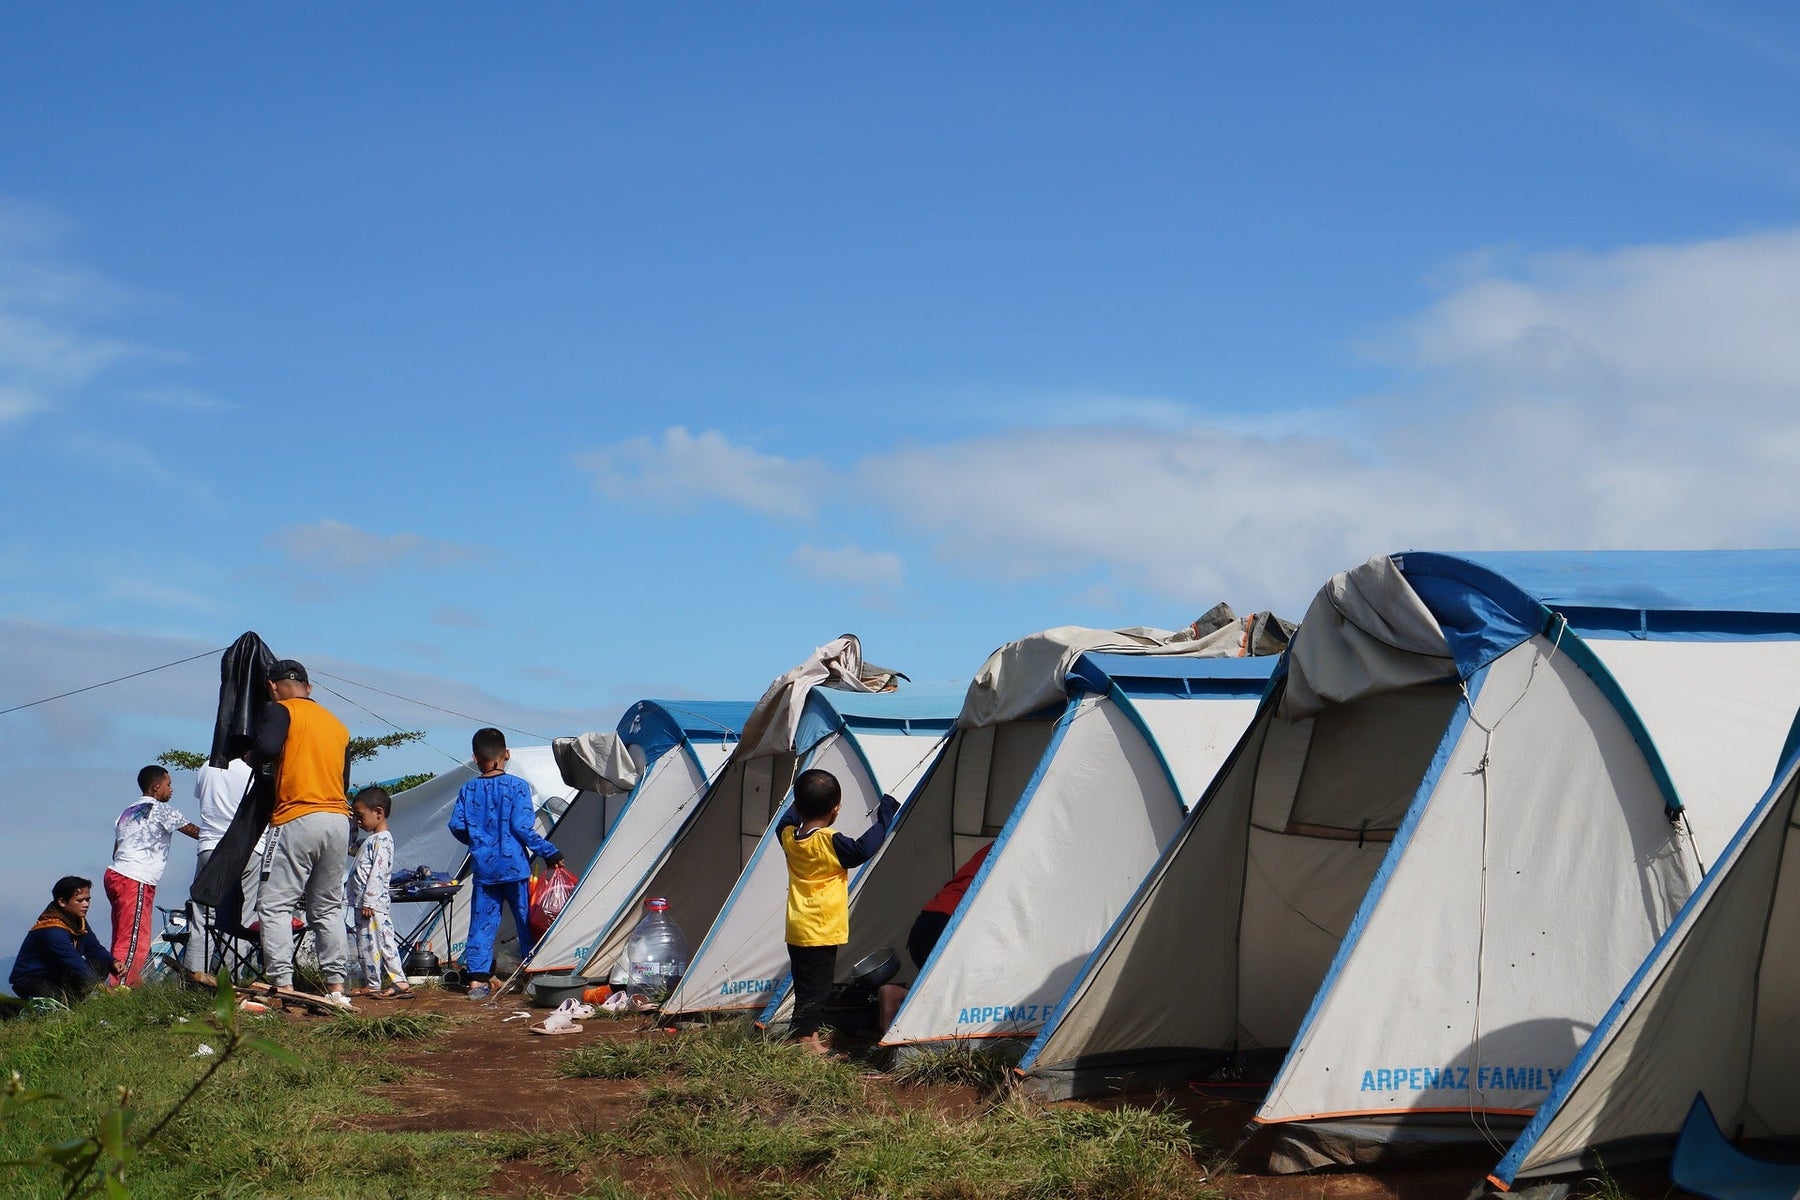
{"points": [[306, 873]]}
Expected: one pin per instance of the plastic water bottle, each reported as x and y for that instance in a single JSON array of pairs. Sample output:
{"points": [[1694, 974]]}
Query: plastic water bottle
{"points": [[656, 955]]}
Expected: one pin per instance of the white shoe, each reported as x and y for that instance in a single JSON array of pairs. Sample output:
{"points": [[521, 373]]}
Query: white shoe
{"points": [[339, 1000]]}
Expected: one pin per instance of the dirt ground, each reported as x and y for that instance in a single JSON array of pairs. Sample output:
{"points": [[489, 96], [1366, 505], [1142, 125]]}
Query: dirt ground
{"points": [[487, 1073]]}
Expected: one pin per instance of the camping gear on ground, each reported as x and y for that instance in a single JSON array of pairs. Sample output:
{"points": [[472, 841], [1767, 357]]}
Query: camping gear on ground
{"points": [[656, 955], [854, 1006], [422, 886], [873, 970], [1542, 751], [726, 871], [678, 746], [549, 892], [548, 991], [421, 963], [1076, 797]]}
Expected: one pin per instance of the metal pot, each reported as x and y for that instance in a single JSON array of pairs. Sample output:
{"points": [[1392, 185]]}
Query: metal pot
{"points": [[548, 991], [873, 970], [422, 963]]}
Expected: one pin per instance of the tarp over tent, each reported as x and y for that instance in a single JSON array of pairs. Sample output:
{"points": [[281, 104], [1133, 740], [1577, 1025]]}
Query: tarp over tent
{"points": [[876, 744], [1078, 797], [420, 823], [676, 747], [1480, 787], [1713, 1012], [696, 870]]}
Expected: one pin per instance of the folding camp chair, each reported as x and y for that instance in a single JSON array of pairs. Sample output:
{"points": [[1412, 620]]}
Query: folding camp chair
{"points": [[234, 944]]}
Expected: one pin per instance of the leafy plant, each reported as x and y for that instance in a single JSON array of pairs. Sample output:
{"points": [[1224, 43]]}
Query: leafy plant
{"points": [[97, 1162], [181, 760], [361, 750]]}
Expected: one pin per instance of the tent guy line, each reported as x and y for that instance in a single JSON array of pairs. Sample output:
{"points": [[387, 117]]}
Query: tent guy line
{"points": [[425, 704], [395, 726], [1478, 1116], [108, 682], [325, 674]]}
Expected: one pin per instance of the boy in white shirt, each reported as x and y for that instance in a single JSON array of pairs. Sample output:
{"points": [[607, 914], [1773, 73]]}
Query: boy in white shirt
{"points": [[140, 853]]}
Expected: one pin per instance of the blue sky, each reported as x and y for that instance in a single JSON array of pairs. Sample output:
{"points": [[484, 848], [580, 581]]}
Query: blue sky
{"points": [[532, 362]]}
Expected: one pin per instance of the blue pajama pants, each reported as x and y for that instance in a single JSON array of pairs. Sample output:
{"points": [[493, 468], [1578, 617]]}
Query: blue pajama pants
{"points": [[484, 922]]}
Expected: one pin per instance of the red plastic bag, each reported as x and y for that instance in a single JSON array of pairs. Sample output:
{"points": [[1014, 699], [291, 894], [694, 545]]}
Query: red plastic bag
{"points": [[549, 892]]}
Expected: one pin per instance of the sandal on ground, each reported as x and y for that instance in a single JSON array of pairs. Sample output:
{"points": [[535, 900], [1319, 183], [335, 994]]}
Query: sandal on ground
{"points": [[544, 1028], [394, 993]]}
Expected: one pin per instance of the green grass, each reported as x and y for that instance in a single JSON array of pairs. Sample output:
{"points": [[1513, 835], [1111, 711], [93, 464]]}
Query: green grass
{"points": [[717, 1112], [262, 1127], [963, 1064], [785, 1123], [387, 1027]]}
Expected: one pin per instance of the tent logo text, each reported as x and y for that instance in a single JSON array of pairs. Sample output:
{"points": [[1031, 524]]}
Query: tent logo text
{"points": [[1432, 1079]]}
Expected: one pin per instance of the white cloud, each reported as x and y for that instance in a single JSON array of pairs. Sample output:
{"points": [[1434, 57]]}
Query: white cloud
{"points": [[872, 570], [332, 546], [685, 469], [47, 350], [1644, 397], [1646, 325]]}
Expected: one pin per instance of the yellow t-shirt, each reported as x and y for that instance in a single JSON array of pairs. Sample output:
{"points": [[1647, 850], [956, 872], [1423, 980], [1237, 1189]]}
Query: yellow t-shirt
{"points": [[310, 777], [818, 905]]}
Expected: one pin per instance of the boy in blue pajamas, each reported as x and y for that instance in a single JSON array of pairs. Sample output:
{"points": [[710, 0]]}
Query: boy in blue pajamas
{"points": [[494, 818]]}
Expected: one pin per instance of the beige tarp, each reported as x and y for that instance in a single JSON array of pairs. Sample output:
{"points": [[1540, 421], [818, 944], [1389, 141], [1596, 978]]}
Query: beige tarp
{"points": [[1022, 677]]}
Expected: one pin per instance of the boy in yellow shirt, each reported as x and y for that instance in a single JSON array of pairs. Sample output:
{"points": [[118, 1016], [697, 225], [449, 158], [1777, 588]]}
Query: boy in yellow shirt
{"points": [[819, 859]]}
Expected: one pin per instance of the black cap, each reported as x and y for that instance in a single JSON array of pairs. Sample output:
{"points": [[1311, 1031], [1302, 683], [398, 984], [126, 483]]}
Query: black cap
{"points": [[287, 668]]}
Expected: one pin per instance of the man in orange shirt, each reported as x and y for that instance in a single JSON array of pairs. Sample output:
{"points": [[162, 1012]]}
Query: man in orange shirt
{"points": [[308, 752]]}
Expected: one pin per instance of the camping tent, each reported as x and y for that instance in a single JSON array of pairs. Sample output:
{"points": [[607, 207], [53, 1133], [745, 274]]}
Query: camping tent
{"points": [[677, 746], [1077, 795], [1480, 787], [420, 824], [1711, 1013], [697, 869], [876, 743]]}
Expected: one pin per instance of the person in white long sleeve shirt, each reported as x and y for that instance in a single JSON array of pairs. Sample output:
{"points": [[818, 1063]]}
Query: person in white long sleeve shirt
{"points": [[219, 791]]}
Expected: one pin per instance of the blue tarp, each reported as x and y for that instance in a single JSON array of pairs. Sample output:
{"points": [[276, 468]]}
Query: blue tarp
{"points": [[922, 708], [1173, 674], [1489, 602], [657, 726]]}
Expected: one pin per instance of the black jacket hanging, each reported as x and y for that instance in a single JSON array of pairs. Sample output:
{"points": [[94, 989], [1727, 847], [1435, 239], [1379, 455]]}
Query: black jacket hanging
{"points": [[243, 692]]}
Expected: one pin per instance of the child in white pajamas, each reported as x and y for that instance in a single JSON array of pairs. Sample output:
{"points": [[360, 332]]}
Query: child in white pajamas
{"points": [[377, 946]]}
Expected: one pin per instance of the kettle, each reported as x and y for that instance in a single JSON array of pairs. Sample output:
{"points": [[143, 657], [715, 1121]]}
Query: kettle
{"points": [[422, 962]]}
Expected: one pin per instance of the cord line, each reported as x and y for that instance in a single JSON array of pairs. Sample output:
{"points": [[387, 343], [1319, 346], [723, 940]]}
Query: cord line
{"points": [[108, 682]]}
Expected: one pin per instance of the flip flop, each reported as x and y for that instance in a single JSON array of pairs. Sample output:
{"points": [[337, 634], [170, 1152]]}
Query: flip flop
{"points": [[405, 993], [539, 1028]]}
